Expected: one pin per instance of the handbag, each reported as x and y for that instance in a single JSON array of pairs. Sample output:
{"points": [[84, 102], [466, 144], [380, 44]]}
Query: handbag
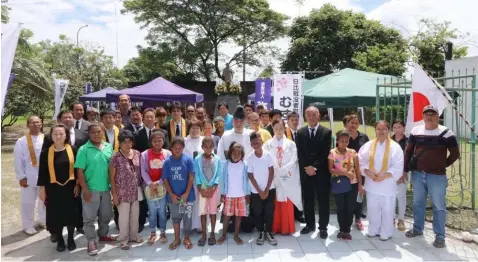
{"points": [[341, 184], [412, 164]]}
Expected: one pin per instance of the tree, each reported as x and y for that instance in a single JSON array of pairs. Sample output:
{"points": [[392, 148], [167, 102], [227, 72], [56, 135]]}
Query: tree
{"points": [[202, 28], [330, 39], [428, 45], [5, 15], [268, 72]]}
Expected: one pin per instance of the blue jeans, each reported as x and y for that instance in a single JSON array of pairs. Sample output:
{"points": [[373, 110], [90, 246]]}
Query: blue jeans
{"points": [[157, 208], [435, 185]]}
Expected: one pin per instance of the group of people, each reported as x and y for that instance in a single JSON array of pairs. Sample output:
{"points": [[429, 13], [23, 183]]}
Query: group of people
{"points": [[135, 164]]}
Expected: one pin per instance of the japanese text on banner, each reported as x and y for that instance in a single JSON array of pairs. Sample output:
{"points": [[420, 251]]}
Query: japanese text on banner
{"points": [[263, 92], [288, 94]]}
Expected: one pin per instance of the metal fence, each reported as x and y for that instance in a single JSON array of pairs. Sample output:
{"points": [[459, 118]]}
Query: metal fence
{"points": [[393, 97]]}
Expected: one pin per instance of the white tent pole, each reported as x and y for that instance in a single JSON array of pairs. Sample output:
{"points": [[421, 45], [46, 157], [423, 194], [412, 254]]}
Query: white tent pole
{"points": [[363, 120]]}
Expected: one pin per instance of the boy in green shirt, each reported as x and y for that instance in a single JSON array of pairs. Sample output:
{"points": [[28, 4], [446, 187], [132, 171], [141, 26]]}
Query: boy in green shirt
{"points": [[92, 162]]}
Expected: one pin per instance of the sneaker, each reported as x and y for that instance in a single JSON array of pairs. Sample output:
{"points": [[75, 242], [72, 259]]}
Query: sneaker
{"points": [[30, 231], [91, 249], [347, 237], [271, 239], [41, 225], [260, 238], [107, 238]]}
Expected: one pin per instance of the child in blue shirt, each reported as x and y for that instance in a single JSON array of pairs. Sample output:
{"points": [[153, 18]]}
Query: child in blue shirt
{"points": [[178, 179]]}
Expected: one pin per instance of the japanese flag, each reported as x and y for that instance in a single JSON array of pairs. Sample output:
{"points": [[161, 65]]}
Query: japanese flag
{"points": [[424, 93]]}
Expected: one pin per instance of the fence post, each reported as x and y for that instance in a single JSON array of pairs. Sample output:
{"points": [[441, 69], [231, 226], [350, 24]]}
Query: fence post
{"points": [[473, 142]]}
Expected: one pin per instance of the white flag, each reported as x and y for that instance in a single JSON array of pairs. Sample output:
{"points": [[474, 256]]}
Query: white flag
{"points": [[61, 86], [424, 93], [10, 34]]}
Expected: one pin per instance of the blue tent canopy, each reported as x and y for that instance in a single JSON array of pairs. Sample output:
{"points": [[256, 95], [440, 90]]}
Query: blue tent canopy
{"points": [[98, 95]]}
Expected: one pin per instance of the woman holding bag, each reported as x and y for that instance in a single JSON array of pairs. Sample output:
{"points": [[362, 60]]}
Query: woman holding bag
{"points": [[286, 180]]}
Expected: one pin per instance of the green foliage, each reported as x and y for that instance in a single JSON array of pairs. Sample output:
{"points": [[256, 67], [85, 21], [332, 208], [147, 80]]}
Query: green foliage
{"points": [[268, 72], [196, 31], [428, 45], [330, 39], [5, 12]]}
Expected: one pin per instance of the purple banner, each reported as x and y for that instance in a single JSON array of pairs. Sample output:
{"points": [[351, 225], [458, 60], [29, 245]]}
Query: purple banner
{"points": [[263, 93]]}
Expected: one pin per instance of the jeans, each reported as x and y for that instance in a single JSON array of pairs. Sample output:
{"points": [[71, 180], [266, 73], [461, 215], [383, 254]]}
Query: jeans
{"points": [[157, 208], [435, 185]]}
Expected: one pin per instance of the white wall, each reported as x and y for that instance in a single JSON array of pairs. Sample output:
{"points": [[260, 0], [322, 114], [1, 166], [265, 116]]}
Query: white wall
{"points": [[462, 67]]}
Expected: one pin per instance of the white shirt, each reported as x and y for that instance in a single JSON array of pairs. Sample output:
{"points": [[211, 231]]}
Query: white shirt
{"points": [[230, 136], [315, 129], [72, 136], [193, 145], [387, 187], [111, 136], [235, 187], [79, 123], [147, 131], [259, 167], [294, 133], [137, 129], [23, 163], [177, 125]]}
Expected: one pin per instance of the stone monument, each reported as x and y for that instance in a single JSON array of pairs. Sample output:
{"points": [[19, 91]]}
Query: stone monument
{"points": [[228, 91]]}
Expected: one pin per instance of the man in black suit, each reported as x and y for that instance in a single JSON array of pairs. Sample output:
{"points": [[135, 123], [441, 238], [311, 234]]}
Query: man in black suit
{"points": [[274, 114], [136, 118], [77, 139], [313, 146], [142, 141], [177, 126], [78, 113]]}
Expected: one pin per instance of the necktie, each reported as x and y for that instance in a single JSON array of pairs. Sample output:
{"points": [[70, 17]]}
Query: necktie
{"points": [[294, 136], [312, 134], [177, 130], [77, 125], [149, 134]]}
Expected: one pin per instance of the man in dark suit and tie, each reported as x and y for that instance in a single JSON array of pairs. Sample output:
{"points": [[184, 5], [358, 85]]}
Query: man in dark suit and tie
{"points": [[177, 126], [136, 118], [78, 113], [77, 139], [142, 137], [313, 146], [291, 133]]}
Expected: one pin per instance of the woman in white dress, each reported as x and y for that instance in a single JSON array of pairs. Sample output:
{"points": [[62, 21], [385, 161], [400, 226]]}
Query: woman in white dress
{"points": [[381, 162], [286, 179], [193, 148]]}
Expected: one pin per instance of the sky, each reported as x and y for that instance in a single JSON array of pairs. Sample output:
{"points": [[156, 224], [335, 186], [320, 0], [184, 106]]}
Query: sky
{"points": [[119, 34]]}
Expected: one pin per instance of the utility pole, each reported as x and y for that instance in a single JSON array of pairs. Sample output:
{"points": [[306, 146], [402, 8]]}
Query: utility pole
{"points": [[117, 52], [78, 34], [244, 60]]}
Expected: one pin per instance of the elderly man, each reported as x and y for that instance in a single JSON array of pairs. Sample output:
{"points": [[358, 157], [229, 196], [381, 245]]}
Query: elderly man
{"points": [[26, 156], [313, 146], [254, 124], [135, 119], [124, 103], [201, 114], [426, 156], [78, 113]]}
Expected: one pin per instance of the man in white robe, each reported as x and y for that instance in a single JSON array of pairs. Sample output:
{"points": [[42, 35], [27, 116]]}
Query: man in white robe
{"points": [[238, 134], [26, 156], [380, 181]]}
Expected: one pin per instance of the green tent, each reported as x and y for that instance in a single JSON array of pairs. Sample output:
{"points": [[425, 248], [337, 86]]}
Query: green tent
{"points": [[345, 88]]}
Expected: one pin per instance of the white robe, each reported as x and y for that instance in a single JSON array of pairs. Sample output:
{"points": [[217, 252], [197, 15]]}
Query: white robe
{"points": [[381, 195], [25, 169], [231, 136], [287, 176], [194, 145]]}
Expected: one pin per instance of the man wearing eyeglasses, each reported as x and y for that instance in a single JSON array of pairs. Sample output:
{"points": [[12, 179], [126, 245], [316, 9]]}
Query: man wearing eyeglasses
{"points": [[190, 113]]}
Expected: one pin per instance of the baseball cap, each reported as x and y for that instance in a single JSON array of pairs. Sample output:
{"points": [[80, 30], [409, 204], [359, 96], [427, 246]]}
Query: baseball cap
{"points": [[430, 108], [218, 119]]}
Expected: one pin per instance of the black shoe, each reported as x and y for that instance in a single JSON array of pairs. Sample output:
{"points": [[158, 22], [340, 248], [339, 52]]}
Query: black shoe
{"points": [[60, 246], [363, 216], [300, 219], [80, 231], [141, 227], [71, 245], [323, 234], [53, 238], [306, 230]]}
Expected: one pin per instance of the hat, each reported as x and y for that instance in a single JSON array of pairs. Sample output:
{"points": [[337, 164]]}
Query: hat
{"points": [[430, 108], [218, 118], [239, 113]]}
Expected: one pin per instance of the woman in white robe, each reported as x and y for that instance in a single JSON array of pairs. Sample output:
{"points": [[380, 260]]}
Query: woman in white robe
{"points": [[286, 179], [381, 162], [193, 148]]}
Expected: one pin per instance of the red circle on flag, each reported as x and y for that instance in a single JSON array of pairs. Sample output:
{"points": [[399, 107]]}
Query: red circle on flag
{"points": [[419, 102]]}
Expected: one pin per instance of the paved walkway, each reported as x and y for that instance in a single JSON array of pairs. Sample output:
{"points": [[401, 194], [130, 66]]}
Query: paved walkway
{"points": [[289, 249]]}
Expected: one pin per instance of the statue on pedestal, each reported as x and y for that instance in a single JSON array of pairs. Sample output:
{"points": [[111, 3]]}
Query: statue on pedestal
{"points": [[227, 74], [228, 91]]}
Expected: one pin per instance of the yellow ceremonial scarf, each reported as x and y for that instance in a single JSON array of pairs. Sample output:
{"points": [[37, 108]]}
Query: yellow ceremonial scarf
{"points": [[116, 134], [288, 133], [51, 164], [172, 128], [31, 150], [371, 164]]}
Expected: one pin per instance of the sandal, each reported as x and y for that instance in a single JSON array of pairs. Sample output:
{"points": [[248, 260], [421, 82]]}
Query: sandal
{"points": [[137, 240], [163, 239], [359, 225], [411, 234], [211, 241], [222, 239], [401, 225], [238, 240], [201, 242], [174, 245], [152, 239], [188, 244], [439, 243], [124, 247]]}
